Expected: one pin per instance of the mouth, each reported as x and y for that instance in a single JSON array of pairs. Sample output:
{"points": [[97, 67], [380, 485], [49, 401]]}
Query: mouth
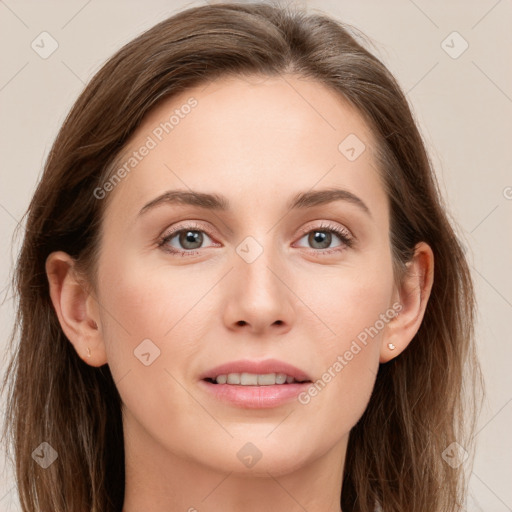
{"points": [[254, 379], [247, 372], [255, 384]]}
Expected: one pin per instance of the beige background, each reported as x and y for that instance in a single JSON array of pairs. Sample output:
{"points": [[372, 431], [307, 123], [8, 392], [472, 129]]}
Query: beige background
{"points": [[463, 106]]}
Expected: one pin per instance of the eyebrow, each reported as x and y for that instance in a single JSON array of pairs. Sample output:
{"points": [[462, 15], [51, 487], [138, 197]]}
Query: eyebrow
{"points": [[217, 202]]}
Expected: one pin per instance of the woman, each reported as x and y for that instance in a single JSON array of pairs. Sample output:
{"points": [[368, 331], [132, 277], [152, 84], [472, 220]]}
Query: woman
{"points": [[238, 286]]}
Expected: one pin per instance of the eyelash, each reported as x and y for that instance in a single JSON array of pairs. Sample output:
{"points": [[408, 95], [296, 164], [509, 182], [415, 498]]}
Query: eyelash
{"points": [[343, 234]]}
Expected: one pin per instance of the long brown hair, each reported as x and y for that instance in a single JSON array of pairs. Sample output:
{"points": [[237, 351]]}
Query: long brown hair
{"points": [[424, 399]]}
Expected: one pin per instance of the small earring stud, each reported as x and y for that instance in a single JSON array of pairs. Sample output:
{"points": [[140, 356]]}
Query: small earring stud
{"points": [[391, 346]]}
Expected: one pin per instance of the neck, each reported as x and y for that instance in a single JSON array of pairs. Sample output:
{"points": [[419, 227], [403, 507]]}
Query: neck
{"points": [[158, 480]]}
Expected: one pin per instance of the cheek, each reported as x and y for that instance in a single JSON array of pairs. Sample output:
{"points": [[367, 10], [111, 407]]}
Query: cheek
{"points": [[344, 302], [143, 301], [149, 328], [354, 314], [143, 315]]}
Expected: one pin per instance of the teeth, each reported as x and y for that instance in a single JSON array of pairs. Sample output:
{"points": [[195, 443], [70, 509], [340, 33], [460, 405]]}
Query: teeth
{"points": [[268, 379], [234, 378], [281, 378], [222, 379], [252, 379]]}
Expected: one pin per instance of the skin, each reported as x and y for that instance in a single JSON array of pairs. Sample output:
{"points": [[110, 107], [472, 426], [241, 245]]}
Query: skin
{"points": [[258, 142]]}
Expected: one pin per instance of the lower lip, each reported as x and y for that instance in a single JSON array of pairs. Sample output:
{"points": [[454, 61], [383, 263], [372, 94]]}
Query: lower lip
{"points": [[255, 397]]}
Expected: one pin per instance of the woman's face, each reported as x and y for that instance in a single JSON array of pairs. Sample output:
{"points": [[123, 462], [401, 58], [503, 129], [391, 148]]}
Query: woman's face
{"points": [[264, 277]]}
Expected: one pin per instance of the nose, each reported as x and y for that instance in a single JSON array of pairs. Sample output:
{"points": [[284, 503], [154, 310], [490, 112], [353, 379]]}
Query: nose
{"points": [[259, 296]]}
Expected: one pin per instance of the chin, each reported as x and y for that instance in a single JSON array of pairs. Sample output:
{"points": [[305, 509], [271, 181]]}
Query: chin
{"points": [[260, 457]]}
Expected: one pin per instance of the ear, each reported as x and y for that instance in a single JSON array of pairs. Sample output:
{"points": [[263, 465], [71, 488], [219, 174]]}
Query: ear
{"points": [[412, 295], [76, 309]]}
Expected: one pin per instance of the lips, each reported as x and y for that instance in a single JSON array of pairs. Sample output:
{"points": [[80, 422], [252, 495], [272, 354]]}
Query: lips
{"points": [[250, 393], [264, 367]]}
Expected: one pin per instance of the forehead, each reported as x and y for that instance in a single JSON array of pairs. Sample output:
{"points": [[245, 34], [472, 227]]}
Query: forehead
{"points": [[267, 136]]}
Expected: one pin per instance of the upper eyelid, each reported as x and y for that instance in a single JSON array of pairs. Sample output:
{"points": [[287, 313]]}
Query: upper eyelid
{"points": [[193, 225], [325, 225]]}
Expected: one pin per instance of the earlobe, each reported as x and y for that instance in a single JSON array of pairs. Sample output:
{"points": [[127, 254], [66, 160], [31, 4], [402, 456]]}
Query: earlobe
{"points": [[76, 309], [414, 293]]}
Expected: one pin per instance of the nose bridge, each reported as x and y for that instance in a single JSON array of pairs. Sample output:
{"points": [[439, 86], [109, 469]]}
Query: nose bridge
{"points": [[258, 261], [259, 296]]}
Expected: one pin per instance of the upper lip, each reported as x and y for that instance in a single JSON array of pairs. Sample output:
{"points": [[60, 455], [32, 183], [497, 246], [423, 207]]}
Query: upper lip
{"points": [[256, 367]]}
